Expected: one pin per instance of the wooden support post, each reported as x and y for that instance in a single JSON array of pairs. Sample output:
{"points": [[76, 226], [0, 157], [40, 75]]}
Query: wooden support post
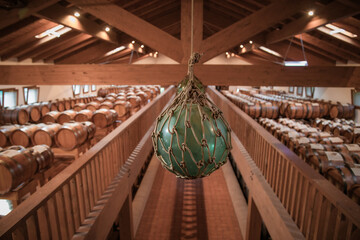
{"points": [[126, 227], [253, 228]]}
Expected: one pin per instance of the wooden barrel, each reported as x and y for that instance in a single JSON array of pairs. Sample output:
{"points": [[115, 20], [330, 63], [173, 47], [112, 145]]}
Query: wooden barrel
{"points": [[305, 151], [325, 108], [120, 98], [98, 100], [46, 135], [67, 104], [43, 107], [93, 106], [342, 177], [346, 131], [60, 105], [71, 135], [110, 98], [103, 118], [347, 148], [53, 106], [34, 112], [51, 117], [66, 116], [356, 136], [23, 135], [283, 106], [43, 156], [332, 140], [79, 106], [16, 167], [122, 108], [313, 110], [102, 92], [354, 190], [322, 160], [91, 129], [342, 111], [72, 103], [269, 110], [294, 143], [143, 96], [83, 115], [296, 110], [135, 103], [14, 115], [287, 136], [106, 105], [5, 132], [253, 109]]}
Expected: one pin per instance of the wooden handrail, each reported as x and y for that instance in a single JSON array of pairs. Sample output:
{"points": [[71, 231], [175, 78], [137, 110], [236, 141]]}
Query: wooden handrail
{"points": [[307, 196], [60, 207]]}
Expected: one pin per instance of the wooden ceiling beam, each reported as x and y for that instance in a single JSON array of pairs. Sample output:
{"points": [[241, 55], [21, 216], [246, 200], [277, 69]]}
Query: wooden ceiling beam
{"points": [[334, 11], [64, 16], [70, 50], [133, 74], [329, 47], [61, 47], [134, 26], [87, 53], [250, 26], [12, 16], [186, 29]]}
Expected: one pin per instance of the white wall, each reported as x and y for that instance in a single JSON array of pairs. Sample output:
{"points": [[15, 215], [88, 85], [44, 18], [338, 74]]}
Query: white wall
{"points": [[161, 59]]}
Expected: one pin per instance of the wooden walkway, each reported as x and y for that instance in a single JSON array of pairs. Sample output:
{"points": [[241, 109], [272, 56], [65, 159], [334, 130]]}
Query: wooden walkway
{"points": [[189, 209]]}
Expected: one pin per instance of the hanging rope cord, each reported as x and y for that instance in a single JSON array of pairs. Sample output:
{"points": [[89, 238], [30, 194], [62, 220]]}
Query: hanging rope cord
{"points": [[302, 48]]}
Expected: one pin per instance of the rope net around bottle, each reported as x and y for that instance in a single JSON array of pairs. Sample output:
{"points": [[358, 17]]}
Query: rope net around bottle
{"points": [[191, 137]]}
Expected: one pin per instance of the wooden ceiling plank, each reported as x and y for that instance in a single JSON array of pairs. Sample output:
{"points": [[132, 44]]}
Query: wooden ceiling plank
{"points": [[90, 52], [334, 11], [12, 16], [245, 5], [134, 26], [348, 28], [186, 29], [250, 26], [329, 47], [105, 57], [245, 75], [125, 54], [64, 45], [253, 59], [36, 50], [64, 16], [70, 50], [22, 24], [27, 37]]}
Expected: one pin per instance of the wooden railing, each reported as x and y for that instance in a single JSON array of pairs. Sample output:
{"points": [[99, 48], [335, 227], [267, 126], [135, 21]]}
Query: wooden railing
{"points": [[73, 199], [317, 207]]}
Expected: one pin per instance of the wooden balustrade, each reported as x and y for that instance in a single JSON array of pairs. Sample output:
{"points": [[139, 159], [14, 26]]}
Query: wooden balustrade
{"points": [[70, 201], [317, 207]]}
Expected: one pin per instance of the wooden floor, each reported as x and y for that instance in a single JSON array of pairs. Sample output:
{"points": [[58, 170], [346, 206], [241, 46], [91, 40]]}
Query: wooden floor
{"points": [[189, 209]]}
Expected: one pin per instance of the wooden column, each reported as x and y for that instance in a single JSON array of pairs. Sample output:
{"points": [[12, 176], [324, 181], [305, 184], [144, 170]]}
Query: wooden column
{"points": [[126, 227], [253, 227]]}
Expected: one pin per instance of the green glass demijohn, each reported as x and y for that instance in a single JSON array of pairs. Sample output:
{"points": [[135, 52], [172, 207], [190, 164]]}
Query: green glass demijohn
{"points": [[191, 137]]}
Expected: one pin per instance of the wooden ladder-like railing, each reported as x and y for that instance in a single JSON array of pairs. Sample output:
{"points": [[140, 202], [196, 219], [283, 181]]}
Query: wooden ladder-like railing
{"points": [[319, 209], [74, 203]]}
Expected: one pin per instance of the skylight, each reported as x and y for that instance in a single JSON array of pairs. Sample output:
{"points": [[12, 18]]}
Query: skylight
{"points": [[265, 49], [118, 49], [336, 30], [54, 32]]}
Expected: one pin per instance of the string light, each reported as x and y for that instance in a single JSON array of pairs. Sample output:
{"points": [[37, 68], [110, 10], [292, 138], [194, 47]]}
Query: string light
{"points": [[251, 42], [142, 46], [311, 13], [133, 42], [241, 46], [107, 29], [77, 14]]}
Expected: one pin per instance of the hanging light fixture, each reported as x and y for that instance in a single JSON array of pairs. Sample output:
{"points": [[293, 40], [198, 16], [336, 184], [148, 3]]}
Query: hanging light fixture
{"points": [[191, 137]]}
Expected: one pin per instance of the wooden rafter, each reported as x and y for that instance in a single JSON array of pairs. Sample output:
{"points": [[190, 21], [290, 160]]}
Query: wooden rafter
{"points": [[246, 75], [186, 29], [350, 41], [63, 46], [328, 47], [23, 37], [134, 26], [68, 51], [10, 17], [59, 14], [332, 12], [108, 57], [87, 54], [250, 26]]}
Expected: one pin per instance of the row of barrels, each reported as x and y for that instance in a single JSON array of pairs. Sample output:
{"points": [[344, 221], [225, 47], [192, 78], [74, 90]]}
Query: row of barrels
{"points": [[337, 161], [102, 92], [340, 127], [304, 108], [34, 112], [67, 136], [18, 165]]}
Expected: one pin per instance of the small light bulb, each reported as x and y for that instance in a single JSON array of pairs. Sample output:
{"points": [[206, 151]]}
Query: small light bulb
{"points": [[150, 54], [107, 29], [133, 42], [142, 46], [251, 42], [156, 52], [232, 54], [227, 53], [76, 14], [241, 46], [311, 13]]}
